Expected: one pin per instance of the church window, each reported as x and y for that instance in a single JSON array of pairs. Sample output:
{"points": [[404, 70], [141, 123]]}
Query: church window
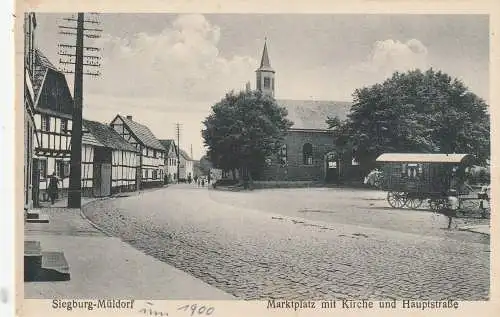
{"points": [[259, 84], [273, 83], [267, 82], [307, 154]]}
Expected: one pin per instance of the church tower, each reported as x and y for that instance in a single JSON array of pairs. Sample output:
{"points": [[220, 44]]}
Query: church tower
{"points": [[265, 74]]}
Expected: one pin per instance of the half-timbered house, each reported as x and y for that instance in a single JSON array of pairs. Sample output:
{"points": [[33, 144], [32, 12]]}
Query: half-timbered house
{"points": [[109, 163], [170, 167], [53, 108], [151, 151]]}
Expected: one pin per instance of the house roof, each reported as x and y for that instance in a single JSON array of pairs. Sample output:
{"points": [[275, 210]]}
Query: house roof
{"points": [[185, 155], [107, 136], [50, 89], [167, 144], [312, 114], [42, 64], [143, 133], [424, 158]]}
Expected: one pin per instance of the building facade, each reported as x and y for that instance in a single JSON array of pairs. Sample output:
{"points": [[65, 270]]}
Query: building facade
{"points": [[151, 152], [53, 108], [171, 165], [185, 166], [109, 163]]}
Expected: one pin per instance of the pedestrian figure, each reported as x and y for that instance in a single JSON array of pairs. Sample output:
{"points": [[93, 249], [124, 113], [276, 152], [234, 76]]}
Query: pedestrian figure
{"points": [[450, 208], [53, 188], [203, 182]]}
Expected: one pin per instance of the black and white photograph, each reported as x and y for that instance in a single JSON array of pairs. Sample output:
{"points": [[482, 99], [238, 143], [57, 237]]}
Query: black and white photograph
{"points": [[257, 156]]}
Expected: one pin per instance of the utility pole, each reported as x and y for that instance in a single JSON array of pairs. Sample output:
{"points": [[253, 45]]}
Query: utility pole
{"points": [[178, 133], [191, 152], [77, 58]]}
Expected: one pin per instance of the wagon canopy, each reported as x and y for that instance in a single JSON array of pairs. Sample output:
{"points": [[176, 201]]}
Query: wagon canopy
{"points": [[426, 158]]}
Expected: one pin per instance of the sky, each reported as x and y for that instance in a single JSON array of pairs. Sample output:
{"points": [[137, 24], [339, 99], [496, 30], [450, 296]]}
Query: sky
{"points": [[168, 68]]}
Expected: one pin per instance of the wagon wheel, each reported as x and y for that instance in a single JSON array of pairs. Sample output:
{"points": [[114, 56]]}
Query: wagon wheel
{"points": [[396, 199], [414, 203]]}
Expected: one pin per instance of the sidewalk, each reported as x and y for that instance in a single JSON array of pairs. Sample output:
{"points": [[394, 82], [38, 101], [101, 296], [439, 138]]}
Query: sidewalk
{"points": [[106, 267]]}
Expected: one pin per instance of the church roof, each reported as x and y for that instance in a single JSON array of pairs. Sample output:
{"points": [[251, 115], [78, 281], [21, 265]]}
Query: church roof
{"points": [[312, 114], [265, 64]]}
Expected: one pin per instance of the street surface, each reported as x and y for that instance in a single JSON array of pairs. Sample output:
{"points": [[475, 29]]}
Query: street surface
{"points": [[301, 243]]}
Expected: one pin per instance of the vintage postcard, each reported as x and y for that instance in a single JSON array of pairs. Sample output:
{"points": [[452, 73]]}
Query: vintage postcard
{"points": [[268, 158]]}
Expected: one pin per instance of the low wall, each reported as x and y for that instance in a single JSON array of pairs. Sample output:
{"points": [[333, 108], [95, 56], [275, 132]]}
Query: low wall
{"points": [[304, 184]]}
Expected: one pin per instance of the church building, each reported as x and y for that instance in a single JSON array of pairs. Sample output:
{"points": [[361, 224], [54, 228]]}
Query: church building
{"points": [[308, 153]]}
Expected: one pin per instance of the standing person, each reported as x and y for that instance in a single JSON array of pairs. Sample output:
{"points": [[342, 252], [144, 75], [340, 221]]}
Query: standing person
{"points": [[202, 182], [53, 188]]}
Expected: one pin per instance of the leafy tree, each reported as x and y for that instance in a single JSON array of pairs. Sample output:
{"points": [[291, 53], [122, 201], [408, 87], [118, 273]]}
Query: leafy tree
{"points": [[243, 130], [426, 112]]}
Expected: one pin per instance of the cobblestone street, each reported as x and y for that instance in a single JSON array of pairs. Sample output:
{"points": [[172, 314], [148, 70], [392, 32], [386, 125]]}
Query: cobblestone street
{"points": [[298, 244]]}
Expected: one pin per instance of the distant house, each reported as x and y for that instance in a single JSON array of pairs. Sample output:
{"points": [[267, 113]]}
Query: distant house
{"points": [[185, 166], [151, 152], [170, 159], [109, 163], [53, 109]]}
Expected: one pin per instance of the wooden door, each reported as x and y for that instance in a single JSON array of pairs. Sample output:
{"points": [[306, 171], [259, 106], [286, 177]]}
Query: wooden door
{"points": [[96, 182], [106, 179], [102, 179]]}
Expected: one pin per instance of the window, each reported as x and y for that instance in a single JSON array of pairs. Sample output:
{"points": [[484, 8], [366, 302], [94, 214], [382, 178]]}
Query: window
{"points": [[45, 123], [155, 172], [273, 83], [64, 125], [258, 82], [307, 154], [411, 171], [154, 153], [67, 168], [42, 167], [267, 82]]}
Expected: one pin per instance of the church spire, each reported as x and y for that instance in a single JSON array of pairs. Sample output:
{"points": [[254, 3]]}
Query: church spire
{"points": [[265, 74], [264, 62]]}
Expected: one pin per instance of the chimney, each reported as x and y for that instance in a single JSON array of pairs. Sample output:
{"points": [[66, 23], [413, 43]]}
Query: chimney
{"points": [[129, 117]]}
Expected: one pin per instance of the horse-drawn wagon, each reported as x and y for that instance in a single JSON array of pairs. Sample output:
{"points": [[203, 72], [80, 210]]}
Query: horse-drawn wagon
{"points": [[412, 178]]}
